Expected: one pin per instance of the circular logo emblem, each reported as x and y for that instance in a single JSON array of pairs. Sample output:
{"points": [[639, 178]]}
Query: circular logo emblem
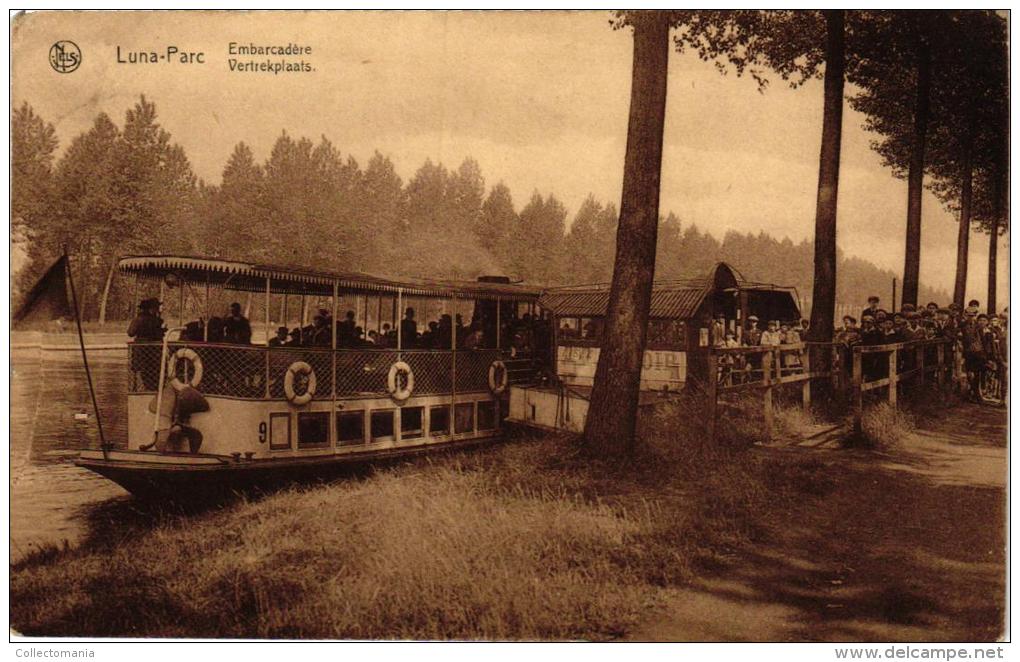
{"points": [[65, 57]]}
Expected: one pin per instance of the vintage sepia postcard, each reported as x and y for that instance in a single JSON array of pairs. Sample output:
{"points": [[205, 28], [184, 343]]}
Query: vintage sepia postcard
{"points": [[500, 326]]}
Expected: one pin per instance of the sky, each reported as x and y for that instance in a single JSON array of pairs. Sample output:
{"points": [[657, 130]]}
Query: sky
{"points": [[540, 100]]}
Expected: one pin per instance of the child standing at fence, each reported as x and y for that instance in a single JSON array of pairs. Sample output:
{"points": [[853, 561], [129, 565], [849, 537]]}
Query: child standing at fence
{"points": [[772, 335]]}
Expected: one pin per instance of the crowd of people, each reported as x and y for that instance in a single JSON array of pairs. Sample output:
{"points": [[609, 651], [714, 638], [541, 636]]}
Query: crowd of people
{"points": [[979, 339], [523, 334], [233, 328], [982, 340]]}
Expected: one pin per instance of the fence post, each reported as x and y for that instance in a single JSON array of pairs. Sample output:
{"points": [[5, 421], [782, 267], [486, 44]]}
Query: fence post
{"points": [[920, 363], [940, 373], [713, 393], [805, 360], [766, 366], [893, 377], [858, 392]]}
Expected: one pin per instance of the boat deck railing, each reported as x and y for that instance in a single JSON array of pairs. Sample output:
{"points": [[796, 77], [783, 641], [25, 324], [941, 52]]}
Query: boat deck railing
{"points": [[258, 372]]}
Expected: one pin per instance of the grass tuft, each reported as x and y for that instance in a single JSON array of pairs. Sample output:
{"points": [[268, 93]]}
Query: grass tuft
{"points": [[883, 427]]}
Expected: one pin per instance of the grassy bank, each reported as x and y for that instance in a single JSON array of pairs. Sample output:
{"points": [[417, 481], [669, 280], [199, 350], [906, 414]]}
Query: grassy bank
{"points": [[526, 540]]}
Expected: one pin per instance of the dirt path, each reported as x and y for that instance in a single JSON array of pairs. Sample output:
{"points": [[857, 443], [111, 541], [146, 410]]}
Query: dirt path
{"points": [[906, 545]]}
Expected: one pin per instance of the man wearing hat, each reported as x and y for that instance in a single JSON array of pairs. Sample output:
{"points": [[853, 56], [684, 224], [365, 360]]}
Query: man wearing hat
{"points": [[973, 307], [870, 333], [147, 325], [872, 308], [753, 335], [281, 338]]}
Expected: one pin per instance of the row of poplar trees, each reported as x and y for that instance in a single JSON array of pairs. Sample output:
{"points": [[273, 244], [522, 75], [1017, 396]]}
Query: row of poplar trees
{"points": [[934, 86]]}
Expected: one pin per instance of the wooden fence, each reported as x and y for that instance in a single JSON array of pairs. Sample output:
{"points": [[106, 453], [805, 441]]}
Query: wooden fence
{"points": [[764, 368], [899, 363]]}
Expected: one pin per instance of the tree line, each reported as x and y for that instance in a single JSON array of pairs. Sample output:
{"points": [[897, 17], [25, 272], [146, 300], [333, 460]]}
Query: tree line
{"points": [[126, 189]]}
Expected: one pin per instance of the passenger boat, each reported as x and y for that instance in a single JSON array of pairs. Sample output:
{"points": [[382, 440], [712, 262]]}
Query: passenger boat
{"points": [[209, 416]]}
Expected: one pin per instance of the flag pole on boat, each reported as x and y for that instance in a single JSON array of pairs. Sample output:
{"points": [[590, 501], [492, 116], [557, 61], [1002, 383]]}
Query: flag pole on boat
{"points": [[84, 356]]}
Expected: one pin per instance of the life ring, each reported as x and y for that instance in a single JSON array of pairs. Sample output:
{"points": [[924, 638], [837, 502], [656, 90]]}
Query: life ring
{"points": [[396, 392], [299, 368], [186, 353], [500, 386]]}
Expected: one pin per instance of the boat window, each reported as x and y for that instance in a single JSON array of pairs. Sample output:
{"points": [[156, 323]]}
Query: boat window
{"points": [[667, 333], [591, 328], [464, 417], [279, 431], [382, 424], [411, 422], [350, 427], [313, 429], [569, 327], [439, 420], [487, 415]]}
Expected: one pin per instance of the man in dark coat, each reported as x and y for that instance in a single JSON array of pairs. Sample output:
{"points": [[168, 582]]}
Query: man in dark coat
{"points": [[281, 338], [409, 329], [975, 344], [147, 326], [237, 328], [872, 308]]}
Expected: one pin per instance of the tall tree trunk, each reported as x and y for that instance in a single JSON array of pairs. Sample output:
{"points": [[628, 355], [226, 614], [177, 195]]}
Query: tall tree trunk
{"points": [[963, 237], [612, 412], [915, 176], [823, 304]]}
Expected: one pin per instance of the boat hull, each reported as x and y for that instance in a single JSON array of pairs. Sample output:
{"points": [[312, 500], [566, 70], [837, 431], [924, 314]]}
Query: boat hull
{"points": [[183, 477]]}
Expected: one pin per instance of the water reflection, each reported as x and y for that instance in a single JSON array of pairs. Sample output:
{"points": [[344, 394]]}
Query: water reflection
{"points": [[50, 497]]}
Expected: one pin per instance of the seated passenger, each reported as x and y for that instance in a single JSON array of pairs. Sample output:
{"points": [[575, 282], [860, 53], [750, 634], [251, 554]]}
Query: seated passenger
{"points": [[194, 331], [215, 330], [359, 338], [430, 338], [295, 337], [308, 335], [475, 338], [445, 333], [281, 338]]}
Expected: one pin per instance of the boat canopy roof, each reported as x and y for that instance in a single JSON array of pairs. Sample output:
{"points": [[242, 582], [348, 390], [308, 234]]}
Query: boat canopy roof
{"points": [[249, 276]]}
